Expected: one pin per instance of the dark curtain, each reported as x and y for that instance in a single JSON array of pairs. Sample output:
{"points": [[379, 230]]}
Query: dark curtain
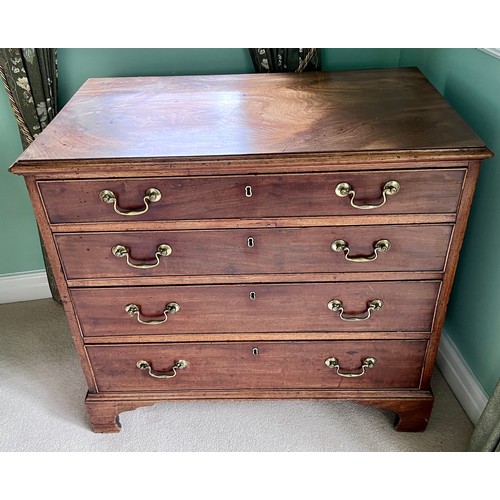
{"points": [[30, 80], [486, 435], [285, 60]]}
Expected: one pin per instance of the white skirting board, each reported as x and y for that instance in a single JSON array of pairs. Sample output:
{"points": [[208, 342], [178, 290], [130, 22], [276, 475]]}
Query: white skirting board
{"points": [[460, 378], [32, 285]]}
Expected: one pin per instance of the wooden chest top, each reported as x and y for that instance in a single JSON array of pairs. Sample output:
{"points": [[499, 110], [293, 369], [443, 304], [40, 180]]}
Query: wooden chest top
{"points": [[341, 113]]}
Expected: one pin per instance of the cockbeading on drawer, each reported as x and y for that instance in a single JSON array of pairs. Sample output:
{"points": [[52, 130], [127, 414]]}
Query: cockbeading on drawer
{"points": [[231, 252], [258, 365], [235, 197], [294, 307]]}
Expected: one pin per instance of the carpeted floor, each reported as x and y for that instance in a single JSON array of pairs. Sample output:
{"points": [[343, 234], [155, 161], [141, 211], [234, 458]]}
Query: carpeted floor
{"points": [[42, 391]]}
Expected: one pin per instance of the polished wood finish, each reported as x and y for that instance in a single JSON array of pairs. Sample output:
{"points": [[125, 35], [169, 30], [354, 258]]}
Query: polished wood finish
{"points": [[276, 308], [411, 414], [267, 365], [412, 409], [195, 198], [240, 115], [275, 222], [454, 253], [203, 140], [104, 414], [254, 251]]}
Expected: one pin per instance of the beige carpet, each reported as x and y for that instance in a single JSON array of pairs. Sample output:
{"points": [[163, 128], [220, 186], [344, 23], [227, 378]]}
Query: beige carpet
{"points": [[42, 390]]}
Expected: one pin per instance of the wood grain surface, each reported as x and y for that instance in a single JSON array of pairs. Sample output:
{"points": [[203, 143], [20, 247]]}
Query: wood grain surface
{"points": [[254, 251], [408, 306], [297, 195], [220, 115], [277, 365]]}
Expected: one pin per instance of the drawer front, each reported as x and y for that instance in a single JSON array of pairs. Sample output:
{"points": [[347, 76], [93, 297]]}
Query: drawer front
{"points": [[407, 306], [429, 191], [254, 251], [259, 365]]}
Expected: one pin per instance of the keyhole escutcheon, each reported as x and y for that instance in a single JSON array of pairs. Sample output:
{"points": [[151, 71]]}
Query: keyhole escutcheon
{"points": [[255, 351], [248, 191], [250, 242]]}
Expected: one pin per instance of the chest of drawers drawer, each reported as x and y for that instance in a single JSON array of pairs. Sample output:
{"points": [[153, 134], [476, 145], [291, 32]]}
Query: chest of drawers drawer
{"points": [[309, 307], [264, 365], [254, 251], [229, 197]]}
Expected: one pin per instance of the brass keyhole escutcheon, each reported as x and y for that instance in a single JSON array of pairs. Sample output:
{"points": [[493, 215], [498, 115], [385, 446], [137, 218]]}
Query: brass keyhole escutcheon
{"points": [[248, 191]]}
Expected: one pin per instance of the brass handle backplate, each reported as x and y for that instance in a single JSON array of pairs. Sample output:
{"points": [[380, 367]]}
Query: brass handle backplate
{"points": [[178, 365], [170, 308], [334, 364], [152, 196], [336, 305], [343, 246], [345, 189], [163, 250]]}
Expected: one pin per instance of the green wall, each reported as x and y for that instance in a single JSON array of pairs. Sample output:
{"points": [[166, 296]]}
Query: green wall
{"points": [[19, 242], [340, 59], [468, 78], [470, 81]]}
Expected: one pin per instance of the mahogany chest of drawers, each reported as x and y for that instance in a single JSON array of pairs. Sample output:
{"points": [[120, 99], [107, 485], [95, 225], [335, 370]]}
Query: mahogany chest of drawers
{"points": [[255, 236]]}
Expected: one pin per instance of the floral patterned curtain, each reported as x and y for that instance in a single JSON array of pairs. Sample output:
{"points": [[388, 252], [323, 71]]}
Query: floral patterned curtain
{"points": [[285, 60], [30, 80]]}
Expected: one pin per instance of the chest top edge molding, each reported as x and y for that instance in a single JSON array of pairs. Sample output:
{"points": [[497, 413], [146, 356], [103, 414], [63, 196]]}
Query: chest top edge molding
{"points": [[338, 115]]}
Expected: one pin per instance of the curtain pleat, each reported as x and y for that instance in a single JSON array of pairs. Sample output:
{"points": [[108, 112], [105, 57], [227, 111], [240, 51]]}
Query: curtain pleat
{"points": [[285, 60], [30, 80], [486, 435]]}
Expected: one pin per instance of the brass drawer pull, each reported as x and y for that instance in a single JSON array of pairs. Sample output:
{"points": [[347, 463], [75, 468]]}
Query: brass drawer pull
{"points": [[163, 250], [170, 308], [345, 189], [367, 363], [343, 246], [336, 305], [152, 195], [178, 365]]}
